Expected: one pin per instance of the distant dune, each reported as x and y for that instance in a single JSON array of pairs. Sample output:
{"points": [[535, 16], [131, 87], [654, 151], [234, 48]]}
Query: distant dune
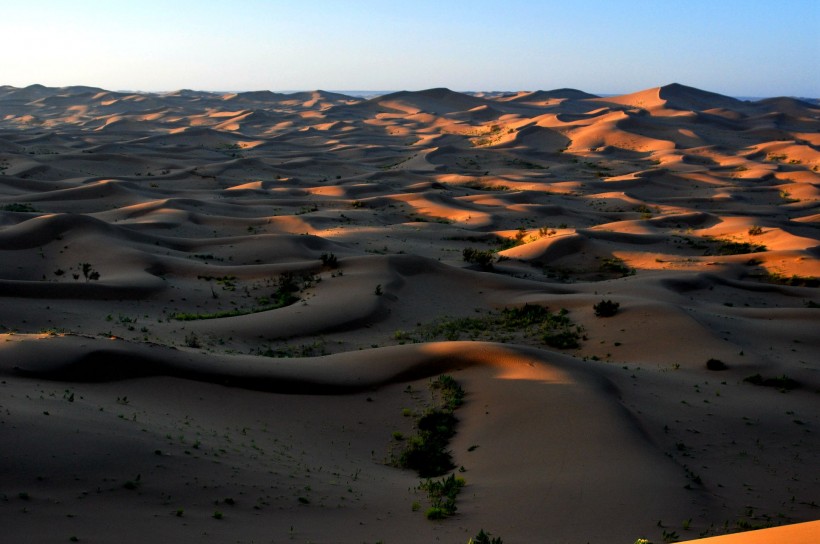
{"points": [[223, 316]]}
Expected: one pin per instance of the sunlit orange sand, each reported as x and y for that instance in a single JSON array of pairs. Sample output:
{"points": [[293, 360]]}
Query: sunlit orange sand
{"points": [[222, 315]]}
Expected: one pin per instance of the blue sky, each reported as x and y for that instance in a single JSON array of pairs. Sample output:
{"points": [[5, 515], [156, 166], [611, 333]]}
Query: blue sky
{"points": [[739, 48]]}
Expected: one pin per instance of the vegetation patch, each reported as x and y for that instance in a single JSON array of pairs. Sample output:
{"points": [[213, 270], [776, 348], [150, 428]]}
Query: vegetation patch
{"points": [[716, 364], [606, 308], [531, 321], [442, 495], [483, 258], [729, 247], [20, 208], [615, 266], [426, 451], [780, 382], [794, 280], [285, 294]]}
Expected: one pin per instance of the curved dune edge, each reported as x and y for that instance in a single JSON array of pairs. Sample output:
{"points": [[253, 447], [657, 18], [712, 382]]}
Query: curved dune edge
{"points": [[87, 359], [798, 533]]}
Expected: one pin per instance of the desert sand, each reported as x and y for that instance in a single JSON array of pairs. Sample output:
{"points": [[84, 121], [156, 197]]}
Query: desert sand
{"points": [[221, 314]]}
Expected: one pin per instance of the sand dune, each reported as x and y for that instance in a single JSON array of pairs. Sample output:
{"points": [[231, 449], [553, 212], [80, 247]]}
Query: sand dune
{"points": [[220, 314]]}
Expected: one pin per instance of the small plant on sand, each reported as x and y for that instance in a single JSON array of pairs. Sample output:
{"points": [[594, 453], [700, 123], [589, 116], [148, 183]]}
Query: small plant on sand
{"points": [[378, 290], [780, 382], [88, 272], [606, 308], [755, 230], [483, 258], [329, 261], [616, 266], [192, 340], [442, 495], [716, 364], [486, 538]]}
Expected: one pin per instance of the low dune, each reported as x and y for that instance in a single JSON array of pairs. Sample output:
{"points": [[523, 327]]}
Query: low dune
{"points": [[225, 316]]}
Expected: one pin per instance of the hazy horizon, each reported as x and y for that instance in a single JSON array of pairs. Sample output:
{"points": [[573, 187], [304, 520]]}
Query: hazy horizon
{"points": [[731, 47]]}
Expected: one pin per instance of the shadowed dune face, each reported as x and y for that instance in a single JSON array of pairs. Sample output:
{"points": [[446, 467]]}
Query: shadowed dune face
{"points": [[258, 286]]}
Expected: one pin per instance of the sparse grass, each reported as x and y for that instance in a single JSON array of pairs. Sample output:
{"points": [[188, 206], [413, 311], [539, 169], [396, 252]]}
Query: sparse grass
{"points": [[531, 321], [288, 285], [793, 280], [483, 258], [616, 266], [729, 247]]}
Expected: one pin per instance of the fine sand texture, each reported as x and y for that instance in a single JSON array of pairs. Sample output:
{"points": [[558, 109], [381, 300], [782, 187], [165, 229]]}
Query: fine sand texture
{"points": [[224, 317]]}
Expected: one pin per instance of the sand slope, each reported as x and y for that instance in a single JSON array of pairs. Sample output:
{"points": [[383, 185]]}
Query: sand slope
{"points": [[234, 302]]}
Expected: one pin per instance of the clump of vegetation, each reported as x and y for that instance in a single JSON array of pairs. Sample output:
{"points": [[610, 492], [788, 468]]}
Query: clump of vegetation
{"points": [[486, 538], [755, 230], [728, 247], [793, 280], [442, 495], [554, 329], [483, 186], [426, 452], [616, 266], [716, 364], [288, 285], [20, 208], [483, 258], [329, 261], [192, 340], [780, 382], [606, 308], [88, 272]]}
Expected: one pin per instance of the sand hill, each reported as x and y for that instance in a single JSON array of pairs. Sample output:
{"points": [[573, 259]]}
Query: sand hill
{"points": [[223, 317]]}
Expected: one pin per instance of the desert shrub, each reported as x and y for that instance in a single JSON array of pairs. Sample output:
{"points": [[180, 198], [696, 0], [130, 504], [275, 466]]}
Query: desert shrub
{"points": [[716, 364], [606, 308], [192, 340], [442, 495], [329, 260], [755, 230], [484, 538], [22, 208], [780, 382], [426, 452], [484, 258], [728, 247], [562, 340], [615, 265], [88, 272]]}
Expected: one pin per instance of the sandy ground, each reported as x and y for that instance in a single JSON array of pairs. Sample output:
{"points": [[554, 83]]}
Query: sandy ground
{"points": [[221, 312]]}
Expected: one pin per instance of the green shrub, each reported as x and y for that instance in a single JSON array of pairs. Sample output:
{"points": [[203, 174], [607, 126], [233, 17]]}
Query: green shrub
{"points": [[606, 308], [20, 208], [485, 538], [716, 364], [483, 258]]}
